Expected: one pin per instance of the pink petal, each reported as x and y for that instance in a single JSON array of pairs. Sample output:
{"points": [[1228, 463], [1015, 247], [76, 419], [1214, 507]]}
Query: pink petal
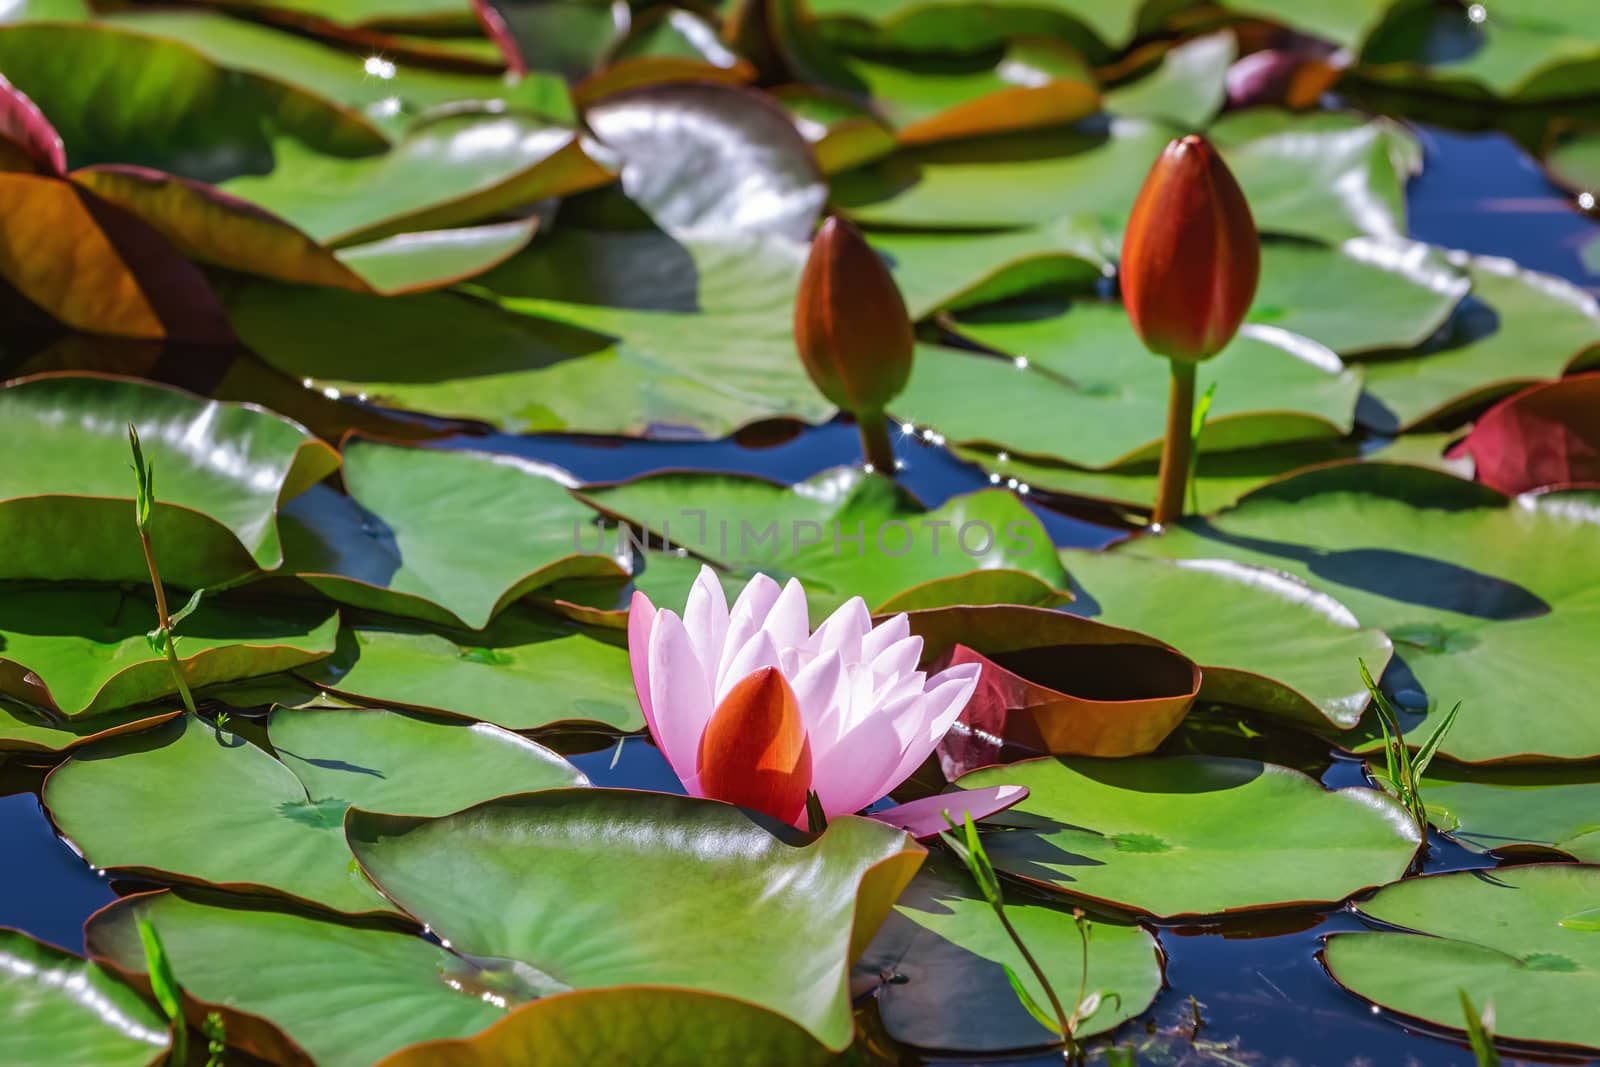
{"points": [[757, 652], [641, 618], [789, 622], [679, 694], [883, 635], [925, 817], [855, 771], [705, 616], [744, 619], [941, 706], [898, 659], [818, 688], [842, 631]]}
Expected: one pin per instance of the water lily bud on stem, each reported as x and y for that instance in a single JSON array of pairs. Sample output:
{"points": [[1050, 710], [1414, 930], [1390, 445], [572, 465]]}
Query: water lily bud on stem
{"points": [[853, 332], [1190, 263]]}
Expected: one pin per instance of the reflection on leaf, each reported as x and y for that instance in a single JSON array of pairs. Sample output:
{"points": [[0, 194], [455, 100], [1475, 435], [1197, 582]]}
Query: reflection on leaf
{"points": [[326, 813]]}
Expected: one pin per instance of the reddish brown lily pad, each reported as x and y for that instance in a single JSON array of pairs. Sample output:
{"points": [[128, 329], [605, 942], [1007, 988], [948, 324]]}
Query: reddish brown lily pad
{"points": [[1056, 683], [94, 267], [27, 140], [207, 224], [1545, 437]]}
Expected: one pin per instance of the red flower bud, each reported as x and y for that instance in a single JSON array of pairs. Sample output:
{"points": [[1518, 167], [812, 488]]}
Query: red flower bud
{"points": [[1191, 257], [850, 322], [755, 751]]}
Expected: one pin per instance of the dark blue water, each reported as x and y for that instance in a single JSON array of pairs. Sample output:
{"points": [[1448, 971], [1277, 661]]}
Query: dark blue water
{"points": [[1263, 996], [1480, 193], [46, 890]]}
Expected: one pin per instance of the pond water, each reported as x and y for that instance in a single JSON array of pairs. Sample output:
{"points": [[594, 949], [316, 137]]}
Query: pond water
{"points": [[1258, 986]]}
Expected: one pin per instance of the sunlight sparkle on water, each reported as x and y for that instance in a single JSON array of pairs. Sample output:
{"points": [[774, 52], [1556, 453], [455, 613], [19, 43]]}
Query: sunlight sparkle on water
{"points": [[1478, 14], [378, 67], [1586, 201]]}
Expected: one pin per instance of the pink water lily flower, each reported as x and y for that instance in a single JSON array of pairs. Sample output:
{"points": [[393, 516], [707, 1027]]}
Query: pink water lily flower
{"points": [[750, 706]]}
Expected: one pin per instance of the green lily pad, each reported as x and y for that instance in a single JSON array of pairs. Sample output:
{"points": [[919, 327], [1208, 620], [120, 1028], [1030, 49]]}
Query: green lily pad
{"points": [[60, 1010], [907, 23], [1515, 808], [706, 345], [374, 759], [843, 531], [26, 729], [190, 115], [1265, 640], [954, 270], [222, 469], [213, 227], [1344, 22], [661, 1026], [939, 963], [520, 880], [271, 977], [46, 10], [86, 652], [452, 170], [1530, 52], [1487, 601], [1406, 291], [566, 37], [255, 825], [1517, 327], [525, 671], [417, 15], [452, 537], [1327, 176], [390, 94], [706, 160], [1506, 937], [1034, 82], [585, 331], [1081, 170], [1222, 477], [1573, 160], [406, 1002], [1187, 89], [842, 131], [1080, 387], [429, 259], [1195, 835]]}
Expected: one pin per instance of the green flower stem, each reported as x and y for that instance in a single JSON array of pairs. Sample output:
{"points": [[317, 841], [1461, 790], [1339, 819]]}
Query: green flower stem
{"points": [[144, 508], [1062, 1018], [1179, 442], [875, 441], [169, 643]]}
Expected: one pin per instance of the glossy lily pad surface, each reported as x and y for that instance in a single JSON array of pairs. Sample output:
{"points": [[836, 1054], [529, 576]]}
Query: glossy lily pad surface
{"points": [[1171, 837], [60, 1009], [225, 469], [1486, 599], [713, 853], [280, 817], [1523, 939], [558, 597], [941, 959]]}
